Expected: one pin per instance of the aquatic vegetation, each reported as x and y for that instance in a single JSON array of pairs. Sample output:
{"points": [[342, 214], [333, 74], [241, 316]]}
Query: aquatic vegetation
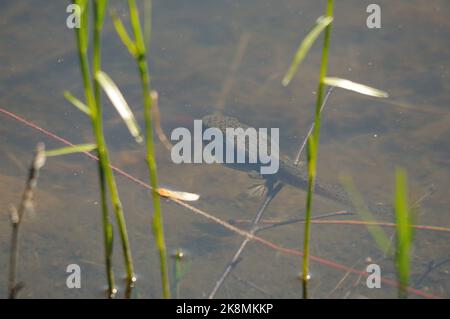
{"points": [[180, 269], [138, 49], [93, 101], [313, 140], [323, 24], [404, 227], [17, 215], [96, 80], [363, 210], [93, 96], [404, 232]]}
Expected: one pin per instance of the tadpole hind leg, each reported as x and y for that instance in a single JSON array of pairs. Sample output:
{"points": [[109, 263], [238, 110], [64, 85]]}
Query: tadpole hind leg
{"points": [[261, 189]]}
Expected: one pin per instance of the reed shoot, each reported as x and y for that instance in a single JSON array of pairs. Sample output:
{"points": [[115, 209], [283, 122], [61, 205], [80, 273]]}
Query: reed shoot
{"points": [[106, 176], [138, 49], [312, 151], [404, 232]]}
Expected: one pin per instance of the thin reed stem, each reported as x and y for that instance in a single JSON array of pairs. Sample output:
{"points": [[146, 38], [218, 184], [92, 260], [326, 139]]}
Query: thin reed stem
{"points": [[106, 176], [97, 124], [81, 36], [17, 216], [158, 225], [99, 13], [404, 232], [313, 145]]}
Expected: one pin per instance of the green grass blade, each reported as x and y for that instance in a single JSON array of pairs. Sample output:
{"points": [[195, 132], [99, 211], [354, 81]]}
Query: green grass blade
{"points": [[100, 10], [136, 26], [311, 152], [123, 34], [121, 105], [158, 224], [312, 156], [357, 200], [77, 103], [83, 31], [313, 147], [103, 163], [355, 87], [71, 149], [305, 46], [404, 231], [99, 15]]}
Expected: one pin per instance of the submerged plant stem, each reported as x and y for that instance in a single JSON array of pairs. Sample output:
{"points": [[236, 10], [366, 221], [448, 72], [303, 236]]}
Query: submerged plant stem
{"points": [[17, 216]]}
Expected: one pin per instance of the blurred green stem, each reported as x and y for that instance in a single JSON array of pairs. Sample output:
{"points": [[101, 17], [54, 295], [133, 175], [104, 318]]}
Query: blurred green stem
{"points": [[404, 231]]}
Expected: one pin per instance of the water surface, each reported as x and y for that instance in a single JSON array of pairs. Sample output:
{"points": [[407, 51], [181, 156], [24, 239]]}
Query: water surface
{"points": [[192, 50]]}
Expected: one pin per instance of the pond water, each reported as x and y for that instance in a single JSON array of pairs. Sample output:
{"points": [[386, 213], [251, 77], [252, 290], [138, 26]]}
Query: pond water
{"points": [[194, 44]]}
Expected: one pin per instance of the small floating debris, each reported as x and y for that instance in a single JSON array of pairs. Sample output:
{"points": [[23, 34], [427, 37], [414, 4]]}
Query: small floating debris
{"points": [[184, 196]]}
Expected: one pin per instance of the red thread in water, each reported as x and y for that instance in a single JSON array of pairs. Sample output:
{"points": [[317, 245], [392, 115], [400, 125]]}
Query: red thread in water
{"points": [[319, 260]]}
